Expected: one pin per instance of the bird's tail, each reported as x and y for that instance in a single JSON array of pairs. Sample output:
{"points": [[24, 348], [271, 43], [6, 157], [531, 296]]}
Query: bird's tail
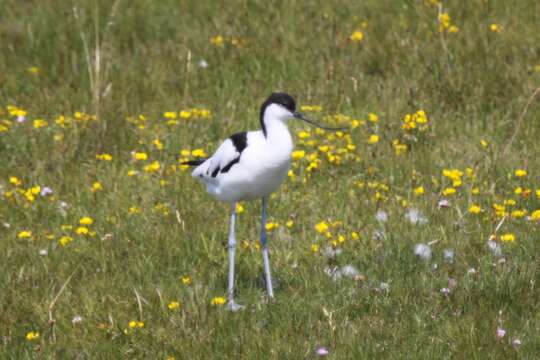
{"points": [[196, 162]]}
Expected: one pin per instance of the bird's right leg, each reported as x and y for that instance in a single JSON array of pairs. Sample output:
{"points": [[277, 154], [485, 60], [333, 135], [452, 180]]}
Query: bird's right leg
{"points": [[232, 305]]}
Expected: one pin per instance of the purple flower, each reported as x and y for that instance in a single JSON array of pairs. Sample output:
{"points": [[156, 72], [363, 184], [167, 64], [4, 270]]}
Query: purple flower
{"points": [[443, 204], [21, 118], [46, 191], [500, 333], [322, 351], [445, 291], [381, 216]]}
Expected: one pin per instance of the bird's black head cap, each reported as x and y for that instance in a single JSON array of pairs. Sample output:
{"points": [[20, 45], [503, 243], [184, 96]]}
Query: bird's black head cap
{"points": [[278, 98]]}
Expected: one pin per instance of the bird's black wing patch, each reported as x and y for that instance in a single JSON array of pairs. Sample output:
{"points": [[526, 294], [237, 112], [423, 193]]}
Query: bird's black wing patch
{"points": [[230, 165], [193, 162], [215, 172], [239, 141]]}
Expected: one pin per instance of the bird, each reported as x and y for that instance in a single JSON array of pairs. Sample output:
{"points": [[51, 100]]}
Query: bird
{"points": [[249, 166]]}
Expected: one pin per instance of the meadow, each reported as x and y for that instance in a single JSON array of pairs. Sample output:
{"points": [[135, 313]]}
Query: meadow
{"points": [[415, 234]]}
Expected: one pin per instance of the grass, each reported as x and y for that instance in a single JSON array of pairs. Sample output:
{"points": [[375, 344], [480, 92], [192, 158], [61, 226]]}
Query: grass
{"points": [[114, 61]]}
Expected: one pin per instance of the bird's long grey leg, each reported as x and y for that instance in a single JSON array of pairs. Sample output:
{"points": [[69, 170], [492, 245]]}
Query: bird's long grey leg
{"points": [[264, 247], [232, 305]]}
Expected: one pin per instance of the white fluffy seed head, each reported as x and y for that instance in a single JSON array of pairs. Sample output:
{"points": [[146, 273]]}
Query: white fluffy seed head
{"points": [[423, 251]]}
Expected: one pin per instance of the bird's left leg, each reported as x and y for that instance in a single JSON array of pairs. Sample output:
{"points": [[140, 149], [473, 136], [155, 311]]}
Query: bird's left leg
{"points": [[232, 305], [264, 247]]}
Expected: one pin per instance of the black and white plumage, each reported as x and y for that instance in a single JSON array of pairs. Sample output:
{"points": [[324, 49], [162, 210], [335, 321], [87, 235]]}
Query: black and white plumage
{"points": [[252, 165]]}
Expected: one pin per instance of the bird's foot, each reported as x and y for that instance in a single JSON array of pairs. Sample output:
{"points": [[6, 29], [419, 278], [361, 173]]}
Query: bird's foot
{"points": [[234, 306]]}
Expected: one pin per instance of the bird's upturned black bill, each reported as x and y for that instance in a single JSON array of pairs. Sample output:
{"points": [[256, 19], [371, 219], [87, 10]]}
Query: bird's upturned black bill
{"points": [[301, 116]]}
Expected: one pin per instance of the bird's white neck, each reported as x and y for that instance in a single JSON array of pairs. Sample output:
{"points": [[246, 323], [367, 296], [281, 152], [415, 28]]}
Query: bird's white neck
{"points": [[278, 135]]}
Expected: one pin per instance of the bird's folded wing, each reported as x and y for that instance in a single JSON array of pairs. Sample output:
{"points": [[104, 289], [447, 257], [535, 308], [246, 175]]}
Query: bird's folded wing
{"points": [[225, 155]]}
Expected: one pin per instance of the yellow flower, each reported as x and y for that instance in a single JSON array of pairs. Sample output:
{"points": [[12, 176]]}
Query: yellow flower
{"points": [[29, 196], [495, 28], [25, 234], [136, 324], [185, 152], [184, 114], [449, 191], [475, 191], [40, 123], [217, 40], [270, 226], [134, 210], [34, 70], [356, 36], [173, 305], [186, 280], [520, 173], [32, 335], [82, 230], [289, 224], [475, 209], [86, 220], [64, 240], [508, 237], [198, 153], [535, 216], [239, 208], [453, 174], [453, 29], [373, 117], [140, 156], [444, 21], [517, 214], [484, 143], [373, 139], [311, 108], [96, 186], [321, 227], [158, 144], [15, 181], [304, 134], [298, 154], [153, 167], [219, 300], [398, 147], [132, 172], [315, 248], [104, 157], [355, 235], [500, 210], [419, 191], [169, 115]]}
